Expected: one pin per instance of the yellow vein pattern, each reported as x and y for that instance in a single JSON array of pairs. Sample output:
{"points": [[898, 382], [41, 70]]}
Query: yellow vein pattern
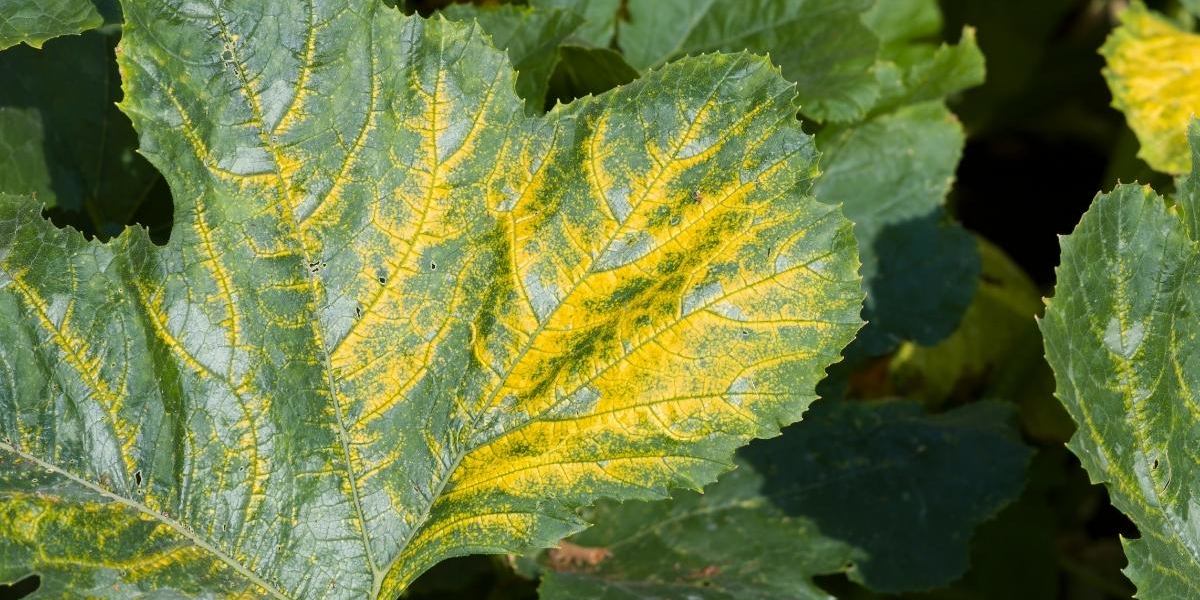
{"points": [[1121, 335], [399, 320]]}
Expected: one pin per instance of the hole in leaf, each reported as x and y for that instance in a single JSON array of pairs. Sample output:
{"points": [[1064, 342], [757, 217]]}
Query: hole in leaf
{"points": [[137, 477], [21, 588]]}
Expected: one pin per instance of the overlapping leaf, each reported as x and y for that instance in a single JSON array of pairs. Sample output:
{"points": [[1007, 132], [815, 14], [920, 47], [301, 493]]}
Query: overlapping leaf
{"points": [[893, 173], [1121, 336], [880, 491], [996, 352], [870, 63], [35, 21], [397, 319], [1151, 72]]}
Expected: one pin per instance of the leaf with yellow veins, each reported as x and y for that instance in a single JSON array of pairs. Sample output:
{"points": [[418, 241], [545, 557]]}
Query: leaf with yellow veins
{"points": [[399, 320], [1151, 71]]}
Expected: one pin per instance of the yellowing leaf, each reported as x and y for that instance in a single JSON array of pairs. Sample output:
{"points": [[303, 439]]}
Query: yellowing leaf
{"points": [[398, 320], [1154, 74]]}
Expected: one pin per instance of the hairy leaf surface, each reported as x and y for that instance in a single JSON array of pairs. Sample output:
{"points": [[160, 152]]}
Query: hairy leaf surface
{"points": [[397, 319], [1121, 336], [35, 21], [1151, 72], [879, 491]]}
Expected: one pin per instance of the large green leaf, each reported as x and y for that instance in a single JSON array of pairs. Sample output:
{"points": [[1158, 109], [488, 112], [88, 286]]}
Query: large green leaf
{"points": [[1121, 336], [880, 491], [397, 319], [63, 140], [922, 268], [35, 21]]}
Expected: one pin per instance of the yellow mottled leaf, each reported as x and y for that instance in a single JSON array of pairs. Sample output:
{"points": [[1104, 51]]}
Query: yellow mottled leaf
{"points": [[398, 319], [1154, 74]]}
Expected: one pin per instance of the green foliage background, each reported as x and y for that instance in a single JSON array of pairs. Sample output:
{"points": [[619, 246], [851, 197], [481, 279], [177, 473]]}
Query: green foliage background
{"points": [[946, 393]]}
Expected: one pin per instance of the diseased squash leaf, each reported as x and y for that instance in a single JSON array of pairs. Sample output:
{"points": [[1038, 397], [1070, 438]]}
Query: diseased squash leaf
{"points": [[35, 21], [1121, 336], [397, 319], [63, 140], [1151, 72], [892, 169], [879, 491]]}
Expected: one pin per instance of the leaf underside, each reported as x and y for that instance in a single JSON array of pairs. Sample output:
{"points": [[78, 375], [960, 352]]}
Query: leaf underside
{"points": [[426, 324]]}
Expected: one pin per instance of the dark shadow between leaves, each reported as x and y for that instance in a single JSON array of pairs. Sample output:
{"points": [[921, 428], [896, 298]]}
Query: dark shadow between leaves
{"points": [[20, 589], [921, 276], [76, 151], [905, 487]]}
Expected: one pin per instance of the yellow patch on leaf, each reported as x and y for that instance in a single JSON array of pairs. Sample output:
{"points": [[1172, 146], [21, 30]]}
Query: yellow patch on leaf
{"points": [[1153, 74]]}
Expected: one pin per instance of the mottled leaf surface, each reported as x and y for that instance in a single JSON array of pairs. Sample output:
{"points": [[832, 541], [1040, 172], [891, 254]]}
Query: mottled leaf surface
{"points": [[63, 140], [397, 319], [35, 21], [1121, 336], [1151, 72], [881, 491]]}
